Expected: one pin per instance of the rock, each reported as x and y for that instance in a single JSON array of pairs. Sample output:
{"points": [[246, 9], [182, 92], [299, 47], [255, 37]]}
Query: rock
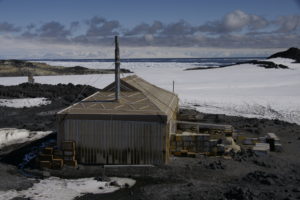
{"points": [[238, 193], [265, 64], [296, 190], [262, 178], [261, 163], [292, 53], [25, 68], [102, 178], [114, 183], [259, 63], [190, 184], [215, 165], [46, 174]]}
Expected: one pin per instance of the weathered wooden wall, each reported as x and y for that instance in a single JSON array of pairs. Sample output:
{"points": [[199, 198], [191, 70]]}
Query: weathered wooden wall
{"points": [[117, 142]]}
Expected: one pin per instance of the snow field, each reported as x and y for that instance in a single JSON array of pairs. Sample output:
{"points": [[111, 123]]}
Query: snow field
{"points": [[243, 90]]}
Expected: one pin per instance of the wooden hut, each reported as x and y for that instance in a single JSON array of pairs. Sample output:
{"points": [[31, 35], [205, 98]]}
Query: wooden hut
{"points": [[131, 130]]}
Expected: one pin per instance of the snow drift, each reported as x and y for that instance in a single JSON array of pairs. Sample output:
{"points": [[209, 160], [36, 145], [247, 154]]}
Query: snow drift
{"points": [[11, 136], [55, 188]]}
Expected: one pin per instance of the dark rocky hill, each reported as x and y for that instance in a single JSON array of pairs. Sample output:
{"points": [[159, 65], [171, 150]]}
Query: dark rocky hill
{"points": [[292, 53], [24, 68]]}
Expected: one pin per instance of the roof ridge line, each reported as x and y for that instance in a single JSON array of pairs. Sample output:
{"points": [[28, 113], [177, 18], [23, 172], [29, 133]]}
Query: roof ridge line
{"points": [[147, 92], [137, 77]]}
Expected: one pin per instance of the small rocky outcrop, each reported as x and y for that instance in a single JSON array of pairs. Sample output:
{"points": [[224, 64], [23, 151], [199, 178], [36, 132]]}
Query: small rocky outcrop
{"points": [[265, 64]]}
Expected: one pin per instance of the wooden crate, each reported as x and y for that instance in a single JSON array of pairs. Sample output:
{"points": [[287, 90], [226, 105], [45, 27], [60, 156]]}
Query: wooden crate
{"points": [[46, 157], [45, 164], [69, 153], [184, 152], [72, 163], [57, 163], [68, 145], [48, 150], [57, 152], [68, 158], [177, 153], [178, 138], [57, 157], [191, 154]]}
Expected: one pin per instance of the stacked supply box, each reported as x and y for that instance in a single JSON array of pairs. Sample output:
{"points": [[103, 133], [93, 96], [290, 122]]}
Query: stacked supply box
{"points": [[202, 143], [261, 149], [48, 159], [187, 144], [69, 153]]}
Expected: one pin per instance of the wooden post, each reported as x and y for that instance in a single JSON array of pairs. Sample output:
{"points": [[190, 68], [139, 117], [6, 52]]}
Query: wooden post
{"points": [[117, 69], [173, 86]]}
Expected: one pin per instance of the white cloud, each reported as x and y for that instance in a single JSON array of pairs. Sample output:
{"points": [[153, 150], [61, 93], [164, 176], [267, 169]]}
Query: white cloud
{"points": [[22, 49]]}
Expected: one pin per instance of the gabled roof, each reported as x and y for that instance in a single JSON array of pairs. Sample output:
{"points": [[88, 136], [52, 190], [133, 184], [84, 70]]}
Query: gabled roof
{"points": [[137, 97]]}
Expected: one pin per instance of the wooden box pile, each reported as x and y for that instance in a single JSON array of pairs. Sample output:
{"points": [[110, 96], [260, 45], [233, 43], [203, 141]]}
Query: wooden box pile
{"points": [[56, 159], [188, 144], [47, 160], [69, 153]]}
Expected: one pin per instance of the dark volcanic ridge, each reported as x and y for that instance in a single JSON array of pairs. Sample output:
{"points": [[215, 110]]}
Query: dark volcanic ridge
{"points": [[258, 63], [25, 68], [292, 53]]}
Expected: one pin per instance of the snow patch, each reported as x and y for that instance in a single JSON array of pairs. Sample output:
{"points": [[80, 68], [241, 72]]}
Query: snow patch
{"points": [[285, 61], [10, 136], [25, 102], [66, 189]]}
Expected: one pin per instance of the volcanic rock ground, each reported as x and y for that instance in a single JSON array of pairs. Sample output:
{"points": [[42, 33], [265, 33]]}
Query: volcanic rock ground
{"points": [[245, 176]]}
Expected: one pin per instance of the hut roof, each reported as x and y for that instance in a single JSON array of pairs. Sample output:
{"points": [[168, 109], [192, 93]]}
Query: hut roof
{"points": [[139, 100]]}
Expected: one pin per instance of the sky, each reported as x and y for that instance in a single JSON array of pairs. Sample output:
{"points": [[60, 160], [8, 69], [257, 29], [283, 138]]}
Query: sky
{"points": [[147, 28]]}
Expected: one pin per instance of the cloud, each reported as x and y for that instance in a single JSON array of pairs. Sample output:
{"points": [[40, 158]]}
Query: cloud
{"points": [[53, 30], [288, 23], [7, 27], [30, 26], [179, 28], [235, 21], [100, 27], [20, 49], [48, 32], [144, 28], [236, 30]]}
